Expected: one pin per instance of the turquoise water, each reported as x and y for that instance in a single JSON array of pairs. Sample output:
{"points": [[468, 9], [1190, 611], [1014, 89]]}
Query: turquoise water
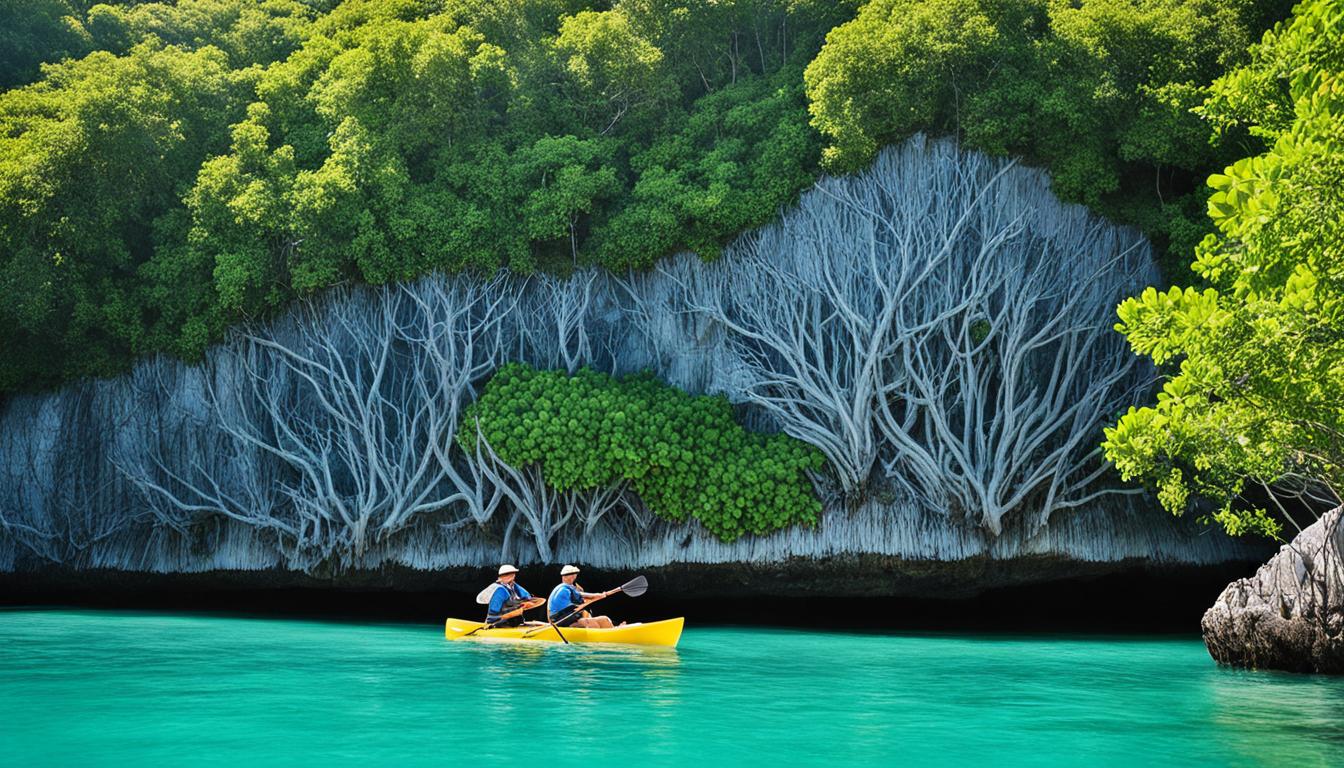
{"points": [[101, 688]]}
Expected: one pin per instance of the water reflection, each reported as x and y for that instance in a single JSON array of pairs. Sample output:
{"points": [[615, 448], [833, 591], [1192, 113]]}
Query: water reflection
{"points": [[525, 683], [1255, 709], [514, 653]]}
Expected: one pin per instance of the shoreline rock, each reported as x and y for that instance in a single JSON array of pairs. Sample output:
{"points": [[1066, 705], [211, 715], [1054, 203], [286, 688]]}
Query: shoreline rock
{"points": [[1290, 614]]}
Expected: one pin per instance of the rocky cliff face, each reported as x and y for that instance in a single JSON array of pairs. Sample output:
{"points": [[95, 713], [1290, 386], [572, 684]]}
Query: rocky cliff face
{"points": [[939, 327], [1290, 615]]}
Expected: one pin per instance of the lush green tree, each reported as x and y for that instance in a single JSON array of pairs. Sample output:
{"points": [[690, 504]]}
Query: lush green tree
{"points": [[568, 177], [241, 210], [1100, 91], [249, 31], [90, 158], [732, 163], [1256, 396], [413, 85], [684, 456], [376, 152], [611, 68], [36, 32], [897, 69]]}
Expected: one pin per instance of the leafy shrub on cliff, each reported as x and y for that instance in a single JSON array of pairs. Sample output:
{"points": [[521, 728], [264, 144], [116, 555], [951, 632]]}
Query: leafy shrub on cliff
{"points": [[92, 162], [1258, 395], [683, 455], [36, 31]]}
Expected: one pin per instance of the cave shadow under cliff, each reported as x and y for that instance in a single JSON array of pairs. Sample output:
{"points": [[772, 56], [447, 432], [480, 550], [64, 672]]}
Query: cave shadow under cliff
{"points": [[1142, 601]]}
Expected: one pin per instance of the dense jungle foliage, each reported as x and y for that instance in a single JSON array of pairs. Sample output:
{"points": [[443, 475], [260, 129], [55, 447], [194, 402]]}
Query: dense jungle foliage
{"points": [[1255, 401], [684, 456], [168, 169]]}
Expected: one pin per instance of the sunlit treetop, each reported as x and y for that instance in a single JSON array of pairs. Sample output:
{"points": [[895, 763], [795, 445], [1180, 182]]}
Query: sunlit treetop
{"points": [[1257, 356]]}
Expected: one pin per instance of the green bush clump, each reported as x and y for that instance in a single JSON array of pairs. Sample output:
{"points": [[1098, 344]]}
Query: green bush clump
{"points": [[1254, 392], [683, 455]]}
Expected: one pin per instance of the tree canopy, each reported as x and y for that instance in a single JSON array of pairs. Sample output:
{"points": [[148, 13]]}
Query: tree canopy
{"points": [[206, 161], [1099, 92], [1257, 351], [170, 168]]}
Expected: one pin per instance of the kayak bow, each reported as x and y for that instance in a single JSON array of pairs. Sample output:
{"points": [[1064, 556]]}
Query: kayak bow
{"points": [[664, 633]]}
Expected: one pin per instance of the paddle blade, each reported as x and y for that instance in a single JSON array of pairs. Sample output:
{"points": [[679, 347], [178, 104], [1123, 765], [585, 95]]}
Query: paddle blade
{"points": [[636, 586], [484, 597]]}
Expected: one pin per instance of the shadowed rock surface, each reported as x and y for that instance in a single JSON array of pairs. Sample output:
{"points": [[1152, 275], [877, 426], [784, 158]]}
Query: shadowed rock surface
{"points": [[1290, 614], [1038, 594]]}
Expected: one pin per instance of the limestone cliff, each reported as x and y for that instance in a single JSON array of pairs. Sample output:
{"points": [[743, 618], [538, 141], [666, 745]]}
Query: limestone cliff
{"points": [[938, 326]]}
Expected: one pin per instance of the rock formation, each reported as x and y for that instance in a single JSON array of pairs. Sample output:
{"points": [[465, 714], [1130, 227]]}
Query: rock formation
{"points": [[1290, 614]]}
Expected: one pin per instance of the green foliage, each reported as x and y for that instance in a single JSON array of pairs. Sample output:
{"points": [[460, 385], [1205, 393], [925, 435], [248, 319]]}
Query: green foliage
{"points": [[209, 160], [375, 142], [684, 456], [34, 32], [895, 70], [738, 157], [569, 178], [1259, 392], [90, 159], [1099, 92], [248, 31], [610, 66]]}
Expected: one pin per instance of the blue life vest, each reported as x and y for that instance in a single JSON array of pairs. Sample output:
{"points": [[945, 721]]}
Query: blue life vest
{"points": [[563, 597], [504, 594]]}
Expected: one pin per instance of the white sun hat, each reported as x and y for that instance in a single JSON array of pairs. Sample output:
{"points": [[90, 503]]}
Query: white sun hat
{"points": [[568, 569], [506, 569]]}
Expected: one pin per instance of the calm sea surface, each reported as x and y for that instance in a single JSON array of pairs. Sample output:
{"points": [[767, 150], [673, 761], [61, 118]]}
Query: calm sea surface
{"points": [[89, 688]]}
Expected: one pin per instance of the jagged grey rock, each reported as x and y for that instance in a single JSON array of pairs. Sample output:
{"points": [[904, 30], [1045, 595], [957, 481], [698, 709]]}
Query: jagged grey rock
{"points": [[939, 326], [1290, 614]]}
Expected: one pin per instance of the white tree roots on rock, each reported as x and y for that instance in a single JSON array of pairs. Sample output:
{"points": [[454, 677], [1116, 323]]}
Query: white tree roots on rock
{"points": [[936, 317], [939, 327]]}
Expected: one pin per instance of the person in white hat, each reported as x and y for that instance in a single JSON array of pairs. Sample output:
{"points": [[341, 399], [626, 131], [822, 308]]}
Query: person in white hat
{"points": [[506, 594], [566, 599]]}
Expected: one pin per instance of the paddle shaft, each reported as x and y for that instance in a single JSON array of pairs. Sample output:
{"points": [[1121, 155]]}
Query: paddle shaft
{"points": [[558, 633], [505, 617], [556, 628], [577, 609], [581, 607]]}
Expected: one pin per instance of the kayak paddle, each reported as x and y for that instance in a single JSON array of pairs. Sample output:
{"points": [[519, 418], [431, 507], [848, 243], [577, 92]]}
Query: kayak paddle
{"points": [[528, 604], [634, 587], [557, 630]]}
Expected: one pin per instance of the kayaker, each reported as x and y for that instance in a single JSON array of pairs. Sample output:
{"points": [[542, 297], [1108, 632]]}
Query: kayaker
{"points": [[563, 605], [508, 595]]}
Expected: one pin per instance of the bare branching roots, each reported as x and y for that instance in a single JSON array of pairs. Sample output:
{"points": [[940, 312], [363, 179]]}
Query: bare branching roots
{"points": [[941, 319]]}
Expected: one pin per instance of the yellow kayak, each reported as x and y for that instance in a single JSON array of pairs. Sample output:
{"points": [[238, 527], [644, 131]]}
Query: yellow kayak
{"points": [[664, 633]]}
